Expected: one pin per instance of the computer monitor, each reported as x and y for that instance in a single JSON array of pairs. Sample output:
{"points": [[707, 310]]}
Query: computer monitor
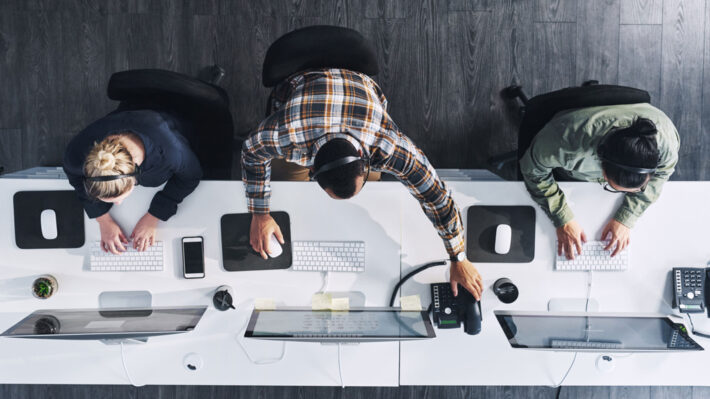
{"points": [[594, 332], [353, 325], [106, 324]]}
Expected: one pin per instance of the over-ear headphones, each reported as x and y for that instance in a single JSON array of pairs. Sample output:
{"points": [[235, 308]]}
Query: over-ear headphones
{"points": [[628, 168], [136, 172], [343, 161]]}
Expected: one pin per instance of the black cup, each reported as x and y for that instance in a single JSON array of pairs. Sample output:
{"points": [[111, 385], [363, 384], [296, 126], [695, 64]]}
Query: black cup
{"points": [[505, 290]]}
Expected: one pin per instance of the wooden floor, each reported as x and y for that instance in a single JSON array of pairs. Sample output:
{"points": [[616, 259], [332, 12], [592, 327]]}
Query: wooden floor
{"points": [[222, 392], [443, 63]]}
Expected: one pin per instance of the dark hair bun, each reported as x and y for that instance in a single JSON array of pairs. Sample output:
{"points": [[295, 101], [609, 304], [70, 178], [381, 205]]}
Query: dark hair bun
{"points": [[643, 127]]}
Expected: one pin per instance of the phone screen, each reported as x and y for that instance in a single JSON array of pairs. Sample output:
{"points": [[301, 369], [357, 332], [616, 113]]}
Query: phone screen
{"points": [[194, 259]]}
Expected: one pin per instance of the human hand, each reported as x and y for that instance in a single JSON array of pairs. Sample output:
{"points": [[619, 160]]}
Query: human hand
{"points": [[112, 237], [618, 234], [570, 236], [260, 231], [143, 235], [465, 273]]}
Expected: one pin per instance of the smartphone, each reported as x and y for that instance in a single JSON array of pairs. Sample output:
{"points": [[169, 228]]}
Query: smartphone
{"points": [[193, 257]]}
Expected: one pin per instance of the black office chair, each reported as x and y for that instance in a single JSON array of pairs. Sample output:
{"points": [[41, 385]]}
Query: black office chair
{"points": [[202, 105], [316, 47], [539, 110]]}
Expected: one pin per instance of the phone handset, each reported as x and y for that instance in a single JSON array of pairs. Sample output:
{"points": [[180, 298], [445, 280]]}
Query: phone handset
{"points": [[450, 311]]}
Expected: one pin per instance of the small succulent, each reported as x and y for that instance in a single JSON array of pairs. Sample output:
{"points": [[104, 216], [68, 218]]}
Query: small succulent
{"points": [[43, 287]]}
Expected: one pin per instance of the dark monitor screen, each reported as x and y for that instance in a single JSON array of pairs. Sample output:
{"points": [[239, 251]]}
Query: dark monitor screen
{"points": [[106, 324], [365, 324], [597, 332]]}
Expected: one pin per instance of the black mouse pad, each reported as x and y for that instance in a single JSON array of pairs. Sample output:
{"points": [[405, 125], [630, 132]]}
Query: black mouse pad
{"points": [[238, 255], [69, 214], [482, 221]]}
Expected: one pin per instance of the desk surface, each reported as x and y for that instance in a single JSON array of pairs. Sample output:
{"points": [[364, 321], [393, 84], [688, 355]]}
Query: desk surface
{"points": [[670, 234], [313, 216], [397, 235]]}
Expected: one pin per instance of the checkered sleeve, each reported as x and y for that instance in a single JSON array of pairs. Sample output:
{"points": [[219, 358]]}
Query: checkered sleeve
{"points": [[257, 152], [409, 164]]}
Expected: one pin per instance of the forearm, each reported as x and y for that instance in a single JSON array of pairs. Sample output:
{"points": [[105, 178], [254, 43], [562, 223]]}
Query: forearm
{"points": [[635, 204], [545, 191], [412, 168], [165, 202], [256, 177], [448, 223]]}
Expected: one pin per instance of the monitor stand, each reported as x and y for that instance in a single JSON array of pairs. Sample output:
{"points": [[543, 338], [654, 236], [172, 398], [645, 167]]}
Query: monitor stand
{"points": [[112, 300], [572, 305]]}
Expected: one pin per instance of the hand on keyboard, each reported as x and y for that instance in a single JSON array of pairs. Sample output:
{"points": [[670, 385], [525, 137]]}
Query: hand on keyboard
{"points": [[569, 237], [112, 237], [143, 235], [617, 234]]}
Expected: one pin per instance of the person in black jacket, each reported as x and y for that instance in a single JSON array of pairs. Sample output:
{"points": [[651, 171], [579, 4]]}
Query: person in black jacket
{"points": [[107, 159]]}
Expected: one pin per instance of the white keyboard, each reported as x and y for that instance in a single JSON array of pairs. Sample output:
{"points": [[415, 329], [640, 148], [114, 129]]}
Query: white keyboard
{"points": [[594, 257], [149, 260], [566, 344], [328, 256]]}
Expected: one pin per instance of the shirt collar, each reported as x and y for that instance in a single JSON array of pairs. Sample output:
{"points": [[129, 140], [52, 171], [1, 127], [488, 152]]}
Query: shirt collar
{"points": [[337, 135]]}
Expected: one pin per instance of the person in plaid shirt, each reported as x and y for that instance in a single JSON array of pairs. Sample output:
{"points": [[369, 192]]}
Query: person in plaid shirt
{"points": [[323, 115]]}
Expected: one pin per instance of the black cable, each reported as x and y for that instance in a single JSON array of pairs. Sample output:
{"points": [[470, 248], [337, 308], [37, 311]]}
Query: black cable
{"points": [[559, 390], [412, 273]]}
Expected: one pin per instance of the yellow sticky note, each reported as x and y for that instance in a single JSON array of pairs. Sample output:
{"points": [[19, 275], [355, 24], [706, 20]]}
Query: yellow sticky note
{"points": [[321, 301], [340, 303], [264, 304], [411, 302]]}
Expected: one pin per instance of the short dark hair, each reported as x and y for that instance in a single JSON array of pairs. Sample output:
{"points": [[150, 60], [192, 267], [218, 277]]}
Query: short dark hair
{"points": [[634, 146], [340, 180]]}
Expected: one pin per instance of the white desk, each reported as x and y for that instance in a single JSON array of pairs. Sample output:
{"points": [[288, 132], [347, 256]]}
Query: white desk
{"points": [[388, 219], [671, 233], [313, 216]]}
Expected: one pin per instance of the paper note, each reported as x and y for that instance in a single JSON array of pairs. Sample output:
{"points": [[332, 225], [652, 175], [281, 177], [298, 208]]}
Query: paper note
{"points": [[411, 302], [340, 303], [264, 304], [321, 301]]}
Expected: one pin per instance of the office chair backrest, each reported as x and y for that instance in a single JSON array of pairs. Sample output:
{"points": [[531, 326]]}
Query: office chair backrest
{"points": [[153, 85], [204, 106], [319, 46]]}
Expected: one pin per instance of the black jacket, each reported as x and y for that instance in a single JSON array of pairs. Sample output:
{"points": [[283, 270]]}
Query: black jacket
{"points": [[168, 158]]}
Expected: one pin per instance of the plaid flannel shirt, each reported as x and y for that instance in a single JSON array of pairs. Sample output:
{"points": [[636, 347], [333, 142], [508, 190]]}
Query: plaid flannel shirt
{"points": [[316, 106]]}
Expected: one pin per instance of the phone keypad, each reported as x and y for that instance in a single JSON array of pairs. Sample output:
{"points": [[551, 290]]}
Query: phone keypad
{"points": [[689, 287]]}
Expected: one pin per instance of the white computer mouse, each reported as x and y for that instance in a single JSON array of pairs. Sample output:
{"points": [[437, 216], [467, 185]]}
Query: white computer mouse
{"points": [[274, 249], [503, 234], [48, 221]]}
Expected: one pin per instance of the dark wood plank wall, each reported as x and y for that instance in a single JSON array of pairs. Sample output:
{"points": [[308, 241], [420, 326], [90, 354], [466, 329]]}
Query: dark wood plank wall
{"points": [[443, 63]]}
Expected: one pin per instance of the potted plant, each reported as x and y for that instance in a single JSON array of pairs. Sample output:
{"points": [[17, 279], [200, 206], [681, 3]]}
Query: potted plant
{"points": [[44, 286]]}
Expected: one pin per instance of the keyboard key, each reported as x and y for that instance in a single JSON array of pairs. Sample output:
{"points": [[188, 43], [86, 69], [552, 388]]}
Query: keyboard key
{"points": [[129, 261], [594, 257], [338, 256]]}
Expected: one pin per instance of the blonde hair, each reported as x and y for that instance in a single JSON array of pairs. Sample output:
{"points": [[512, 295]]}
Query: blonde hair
{"points": [[109, 157]]}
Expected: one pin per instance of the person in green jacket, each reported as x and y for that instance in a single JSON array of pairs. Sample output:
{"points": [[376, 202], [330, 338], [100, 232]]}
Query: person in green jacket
{"points": [[630, 149]]}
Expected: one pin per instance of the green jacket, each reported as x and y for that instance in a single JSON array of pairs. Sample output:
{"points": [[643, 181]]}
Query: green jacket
{"points": [[569, 141]]}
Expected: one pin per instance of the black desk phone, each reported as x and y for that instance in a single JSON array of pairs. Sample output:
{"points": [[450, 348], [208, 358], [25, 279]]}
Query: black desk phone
{"points": [[689, 294], [449, 310]]}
